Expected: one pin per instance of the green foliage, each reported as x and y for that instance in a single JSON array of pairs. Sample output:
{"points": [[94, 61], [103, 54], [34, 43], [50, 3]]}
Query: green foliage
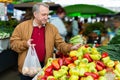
{"points": [[94, 26], [115, 40], [8, 26], [112, 49]]}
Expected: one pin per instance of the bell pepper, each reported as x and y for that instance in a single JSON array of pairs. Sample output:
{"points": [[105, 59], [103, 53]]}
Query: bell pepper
{"points": [[102, 78], [55, 64], [64, 68], [71, 65], [74, 71], [51, 78], [102, 72], [104, 54], [87, 55], [106, 59], [60, 61], [74, 58], [67, 60], [89, 78], [110, 64], [101, 64], [73, 53], [95, 56], [94, 75], [74, 77], [98, 67], [49, 69], [57, 74]]}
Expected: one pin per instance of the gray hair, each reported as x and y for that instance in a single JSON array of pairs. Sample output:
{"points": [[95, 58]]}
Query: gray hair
{"points": [[37, 5]]}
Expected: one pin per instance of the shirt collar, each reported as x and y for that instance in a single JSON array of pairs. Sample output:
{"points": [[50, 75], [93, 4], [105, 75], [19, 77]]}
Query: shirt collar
{"points": [[35, 24]]}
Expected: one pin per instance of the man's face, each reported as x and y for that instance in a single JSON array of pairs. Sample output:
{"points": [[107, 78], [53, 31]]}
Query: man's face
{"points": [[42, 15]]}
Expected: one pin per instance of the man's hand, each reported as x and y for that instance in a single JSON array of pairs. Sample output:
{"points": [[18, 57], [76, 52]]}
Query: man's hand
{"points": [[29, 42], [75, 47]]}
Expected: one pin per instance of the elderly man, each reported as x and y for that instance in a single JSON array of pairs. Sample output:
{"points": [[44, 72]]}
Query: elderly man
{"points": [[42, 34]]}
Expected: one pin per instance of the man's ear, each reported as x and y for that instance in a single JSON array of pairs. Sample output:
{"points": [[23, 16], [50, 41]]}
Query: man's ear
{"points": [[35, 14]]}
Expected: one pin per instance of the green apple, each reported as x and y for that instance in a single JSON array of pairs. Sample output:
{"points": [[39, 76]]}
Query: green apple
{"points": [[74, 77], [102, 72]]}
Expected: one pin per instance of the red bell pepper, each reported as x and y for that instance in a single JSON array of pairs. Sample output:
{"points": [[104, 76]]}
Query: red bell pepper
{"points": [[55, 64], [98, 67], [67, 60], [101, 64], [87, 55], [94, 75], [74, 58], [60, 61], [104, 54], [49, 69]]}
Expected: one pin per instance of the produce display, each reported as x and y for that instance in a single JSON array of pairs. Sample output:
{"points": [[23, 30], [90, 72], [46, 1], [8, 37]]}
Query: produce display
{"points": [[86, 63], [4, 35], [77, 39]]}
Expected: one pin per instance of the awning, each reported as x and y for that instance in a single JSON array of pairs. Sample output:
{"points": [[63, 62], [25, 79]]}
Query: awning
{"points": [[79, 9]]}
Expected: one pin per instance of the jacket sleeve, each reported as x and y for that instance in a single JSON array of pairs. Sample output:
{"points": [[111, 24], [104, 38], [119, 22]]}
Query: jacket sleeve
{"points": [[60, 44], [17, 42]]}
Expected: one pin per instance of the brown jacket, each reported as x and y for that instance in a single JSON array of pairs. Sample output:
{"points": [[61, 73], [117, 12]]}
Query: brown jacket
{"points": [[22, 34]]}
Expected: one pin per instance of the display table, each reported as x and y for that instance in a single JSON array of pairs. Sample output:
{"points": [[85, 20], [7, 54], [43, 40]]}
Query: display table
{"points": [[8, 58]]}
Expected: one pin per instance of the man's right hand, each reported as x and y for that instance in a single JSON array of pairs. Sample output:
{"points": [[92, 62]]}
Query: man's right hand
{"points": [[29, 43]]}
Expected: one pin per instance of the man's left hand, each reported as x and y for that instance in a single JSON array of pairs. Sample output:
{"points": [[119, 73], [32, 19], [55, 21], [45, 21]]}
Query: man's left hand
{"points": [[75, 47]]}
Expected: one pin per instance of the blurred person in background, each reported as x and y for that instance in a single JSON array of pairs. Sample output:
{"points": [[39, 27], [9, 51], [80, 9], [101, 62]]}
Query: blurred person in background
{"points": [[38, 32], [75, 26], [116, 22], [57, 20]]}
